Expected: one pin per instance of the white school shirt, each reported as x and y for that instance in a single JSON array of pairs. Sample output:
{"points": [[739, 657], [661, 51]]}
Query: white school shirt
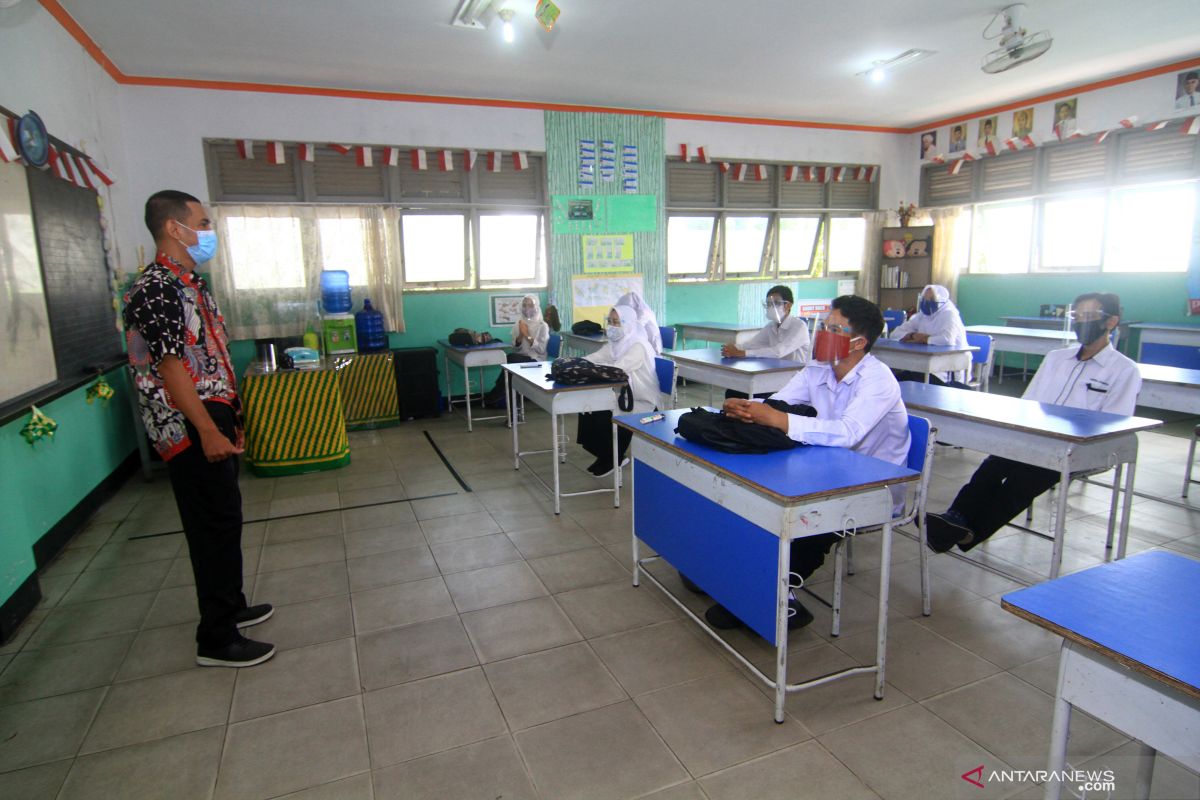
{"points": [[788, 340], [541, 338], [945, 328], [1108, 381], [862, 412], [639, 366]]}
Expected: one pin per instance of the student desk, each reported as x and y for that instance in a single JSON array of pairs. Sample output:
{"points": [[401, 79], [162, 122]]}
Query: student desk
{"points": [[1172, 388], [1060, 438], [1130, 656], [532, 381], [1027, 341], [719, 332], [1041, 323], [294, 420], [479, 355], [925, 358], [749, 375], [728, 521], [1164, 343], [582, 343]]}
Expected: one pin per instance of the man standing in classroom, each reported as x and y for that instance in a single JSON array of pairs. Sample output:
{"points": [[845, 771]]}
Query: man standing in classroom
{"points": [[181, 370]]}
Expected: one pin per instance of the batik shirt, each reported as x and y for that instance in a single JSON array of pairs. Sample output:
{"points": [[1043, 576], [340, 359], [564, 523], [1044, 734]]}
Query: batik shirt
{"points": [[170, 312]]}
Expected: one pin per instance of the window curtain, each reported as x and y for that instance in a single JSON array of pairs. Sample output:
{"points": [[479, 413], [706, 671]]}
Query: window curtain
{"points": [[868, 276], [951, 245], [268, 278]]}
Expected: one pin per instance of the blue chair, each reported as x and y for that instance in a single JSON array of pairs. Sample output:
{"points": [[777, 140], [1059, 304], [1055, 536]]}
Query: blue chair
{"points": [[665, 368], [894, 318], [920, 459], [668, 336], [554, 346], [981, 361]]}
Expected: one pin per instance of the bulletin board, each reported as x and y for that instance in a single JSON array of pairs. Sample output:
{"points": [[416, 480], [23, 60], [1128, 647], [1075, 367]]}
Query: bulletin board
{"points": [[594, 296]]}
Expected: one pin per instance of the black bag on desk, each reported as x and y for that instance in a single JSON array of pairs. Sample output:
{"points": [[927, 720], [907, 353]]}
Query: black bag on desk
{"points": [[463, 337], [585, 327], [731, 435], [578, 371]]}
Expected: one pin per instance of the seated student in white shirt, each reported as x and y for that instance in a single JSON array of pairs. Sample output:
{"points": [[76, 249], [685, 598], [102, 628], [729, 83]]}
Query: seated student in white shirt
{"points": [[629, 349], [646, 318], [784, 336], [1089, 375], [937, 321], [530, 336], [858, 406]]}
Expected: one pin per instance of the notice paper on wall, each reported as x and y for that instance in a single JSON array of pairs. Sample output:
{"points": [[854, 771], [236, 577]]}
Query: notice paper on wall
{"points": [[608, 253], [592, 297]]}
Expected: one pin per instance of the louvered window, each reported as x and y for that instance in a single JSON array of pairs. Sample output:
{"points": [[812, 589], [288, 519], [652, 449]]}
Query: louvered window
{"points": [[237, 179], [1152, 156], [1077, 165], [1009, 175], [851, 194], [940, 188], [337, 177], [692, 185], [750, 192]]}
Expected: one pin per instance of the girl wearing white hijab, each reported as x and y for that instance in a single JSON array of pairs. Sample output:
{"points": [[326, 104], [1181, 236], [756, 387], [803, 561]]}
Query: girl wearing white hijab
{"points": [[629, 349], [530, 335], [936, 322], [645, 317]]}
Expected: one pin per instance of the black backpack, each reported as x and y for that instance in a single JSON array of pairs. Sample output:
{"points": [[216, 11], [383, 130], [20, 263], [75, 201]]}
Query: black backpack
{"points": [[585, 327], [464, 337], [734, 436], [578, 371]]}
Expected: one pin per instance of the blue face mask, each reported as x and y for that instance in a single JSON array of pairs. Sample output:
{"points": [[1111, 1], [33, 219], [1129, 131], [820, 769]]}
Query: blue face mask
{"points": [[204, 248], [929, 307]]}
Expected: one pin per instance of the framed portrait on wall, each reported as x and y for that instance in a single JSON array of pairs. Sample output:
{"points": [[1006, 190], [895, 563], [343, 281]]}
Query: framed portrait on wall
{"points": [[506, 309], [1022, 122]]}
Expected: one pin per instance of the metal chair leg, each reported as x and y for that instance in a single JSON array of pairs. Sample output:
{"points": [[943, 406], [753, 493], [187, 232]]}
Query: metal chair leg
{"points": [[850, 555], [836, 628], [1187, 477]]}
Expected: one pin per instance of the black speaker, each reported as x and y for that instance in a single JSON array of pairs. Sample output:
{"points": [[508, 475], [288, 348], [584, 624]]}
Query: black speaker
{"points": [[417, 382]]}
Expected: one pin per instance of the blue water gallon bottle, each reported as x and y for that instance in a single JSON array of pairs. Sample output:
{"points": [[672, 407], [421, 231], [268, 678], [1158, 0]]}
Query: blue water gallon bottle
{"points": [[335, 291], [372, 338]]}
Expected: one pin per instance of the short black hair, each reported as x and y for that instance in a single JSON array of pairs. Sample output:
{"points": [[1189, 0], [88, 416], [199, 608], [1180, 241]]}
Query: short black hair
{"points": [[1109, 303], [165, 205], [781, 290], [864, 317], [1192, 76]]}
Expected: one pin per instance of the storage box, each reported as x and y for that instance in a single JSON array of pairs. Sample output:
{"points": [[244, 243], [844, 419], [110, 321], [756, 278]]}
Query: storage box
{"points": [[338, 334]]}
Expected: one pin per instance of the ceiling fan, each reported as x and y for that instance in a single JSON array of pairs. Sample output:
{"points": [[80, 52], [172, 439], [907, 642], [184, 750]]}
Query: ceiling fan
{"points": [[1016, 45]]}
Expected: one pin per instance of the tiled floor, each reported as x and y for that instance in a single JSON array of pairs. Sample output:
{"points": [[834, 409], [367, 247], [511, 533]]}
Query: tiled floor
{"points": [[439, 643]]}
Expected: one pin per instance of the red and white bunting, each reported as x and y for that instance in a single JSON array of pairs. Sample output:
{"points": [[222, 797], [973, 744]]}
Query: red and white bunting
{"points": [[99, 173], [1129, 122], [1157, 126], [520, 160], [956, 166], [7, 151], [245, 148], [791, 173], [723, 166], [306, 151], [82, 173], [1078, 134], [869, 174], [990, 146], [341, 148], [275, 153], [1028, 140], [938, 159], [469, 159], [739, 172], [968, 156], [1013, 144], [391, 156], [684, 155], [495, 160], [363, 157], [68, 167], [1103, 135], [417, 156], [445, 161], [1192, 127], [702, 155], [760, 172], [821, 174]]}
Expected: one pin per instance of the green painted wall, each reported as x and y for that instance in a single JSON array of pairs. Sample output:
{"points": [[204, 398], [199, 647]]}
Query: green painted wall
{"points": [[718, 302], [39, 485]]}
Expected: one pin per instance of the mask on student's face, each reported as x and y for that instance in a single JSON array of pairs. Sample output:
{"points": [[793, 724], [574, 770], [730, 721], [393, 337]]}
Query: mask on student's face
{"points": [[529, 312], [1089, 330], [830, 348], [776, 312], [929, 307], [204, 248], [614, 333]]}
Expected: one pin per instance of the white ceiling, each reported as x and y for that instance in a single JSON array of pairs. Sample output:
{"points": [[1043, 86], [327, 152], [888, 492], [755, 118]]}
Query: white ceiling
{"points": [[785, 59]]}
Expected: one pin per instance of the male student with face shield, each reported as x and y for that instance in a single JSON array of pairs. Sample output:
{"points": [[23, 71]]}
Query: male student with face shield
{"points": [[858, 406], [937, 321], [784, 336], [1089, 375]]}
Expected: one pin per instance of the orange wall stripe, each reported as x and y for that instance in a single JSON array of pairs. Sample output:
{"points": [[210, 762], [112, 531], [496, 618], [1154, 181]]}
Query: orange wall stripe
{"points": [[72, 27]]}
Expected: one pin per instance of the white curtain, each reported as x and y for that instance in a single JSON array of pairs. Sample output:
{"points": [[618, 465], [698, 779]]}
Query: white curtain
{"points": [[951, 245], [868, 276], [268, 279]]}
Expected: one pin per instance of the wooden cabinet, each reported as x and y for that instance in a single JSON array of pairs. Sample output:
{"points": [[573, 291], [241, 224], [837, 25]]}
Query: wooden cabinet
{"points": [[906, 266]]}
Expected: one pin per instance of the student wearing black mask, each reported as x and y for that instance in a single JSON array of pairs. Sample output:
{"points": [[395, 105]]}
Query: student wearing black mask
{"points": [[1091, 375]]}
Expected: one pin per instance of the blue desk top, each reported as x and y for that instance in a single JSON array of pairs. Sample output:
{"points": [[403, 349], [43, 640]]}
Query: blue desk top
{"points": [[467, 348], [711, 357], [1177, 375], [720, 326], [1059, 422], [791, 476], [916, 347], [1031, 333], [538, 373], [1167, 326], [1140, 611]]}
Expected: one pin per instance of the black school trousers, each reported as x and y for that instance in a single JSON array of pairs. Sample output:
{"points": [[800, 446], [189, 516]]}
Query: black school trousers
{"points": [[998, 491], [210, 507], [595, 436]]}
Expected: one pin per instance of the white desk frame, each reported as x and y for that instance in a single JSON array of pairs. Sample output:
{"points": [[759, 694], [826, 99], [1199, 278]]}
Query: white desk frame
{"points": [[704, 332], [728, 377], [557, 401], [466, 358], [925, 363], [1027, 341], [582, 345]]}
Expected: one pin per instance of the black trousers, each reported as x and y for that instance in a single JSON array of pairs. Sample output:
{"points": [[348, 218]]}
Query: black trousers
{"points": [[210, 507], [743, 396], [496, 393], [595, 436], [808, 554], [998, 491], [919, 377]]}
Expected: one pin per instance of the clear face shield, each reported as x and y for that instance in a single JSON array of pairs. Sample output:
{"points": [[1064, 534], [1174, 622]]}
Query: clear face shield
{"points": [[776, 310], [1088, 325]]}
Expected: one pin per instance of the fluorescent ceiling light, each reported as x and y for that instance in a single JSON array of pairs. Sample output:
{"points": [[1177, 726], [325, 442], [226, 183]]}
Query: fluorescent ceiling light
{"points": [[879, 69], [468, 13], [506, 14]]}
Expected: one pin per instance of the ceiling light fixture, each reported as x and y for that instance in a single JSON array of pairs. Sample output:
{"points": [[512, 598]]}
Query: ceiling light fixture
{"points": [[468, 13], [506, 14], [880, 69]]}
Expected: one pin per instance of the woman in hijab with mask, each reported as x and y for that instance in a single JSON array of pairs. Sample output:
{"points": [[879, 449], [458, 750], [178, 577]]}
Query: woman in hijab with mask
{"points": [[629, 349], [937, 321], [530, 335], [645, 317]]}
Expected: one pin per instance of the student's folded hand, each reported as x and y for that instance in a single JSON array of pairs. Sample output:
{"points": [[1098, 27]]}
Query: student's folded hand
{"points": [[738, 408]]}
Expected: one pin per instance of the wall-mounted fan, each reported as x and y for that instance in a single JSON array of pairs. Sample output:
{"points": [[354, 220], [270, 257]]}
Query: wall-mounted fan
{"points": [[1016, 45]]}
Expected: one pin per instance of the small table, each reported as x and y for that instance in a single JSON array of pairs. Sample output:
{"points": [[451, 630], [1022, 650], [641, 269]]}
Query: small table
{"points": [[728, 521], [746, 374], [294, 420], [467, 356], [1172, 388], [368, 383], [531, 381], [719, 332], [1027, 341], [1060, 438], [1173, 344], [583, 343], [1130, 655], [924, 358]]}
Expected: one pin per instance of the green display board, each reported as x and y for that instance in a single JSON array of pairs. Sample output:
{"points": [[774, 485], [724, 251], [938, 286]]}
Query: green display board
{"points": [[590, 213]]}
